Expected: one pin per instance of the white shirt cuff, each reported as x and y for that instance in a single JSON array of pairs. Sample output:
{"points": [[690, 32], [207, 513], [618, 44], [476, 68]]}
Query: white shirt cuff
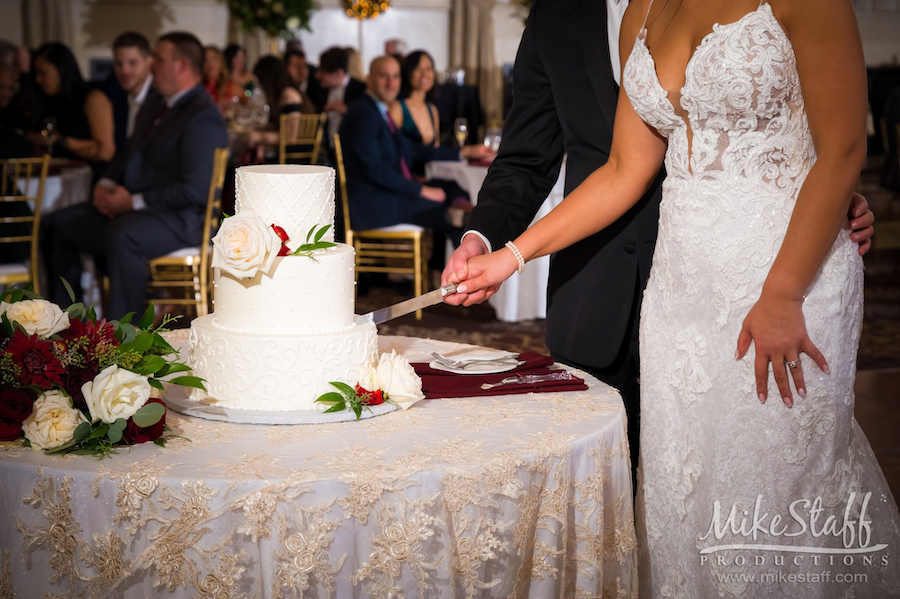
{"points": [[480, 236], [106, 182], [137, 201]]}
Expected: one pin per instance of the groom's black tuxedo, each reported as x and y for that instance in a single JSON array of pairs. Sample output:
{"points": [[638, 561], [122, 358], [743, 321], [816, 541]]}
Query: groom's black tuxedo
{"points": [[564, 101]]}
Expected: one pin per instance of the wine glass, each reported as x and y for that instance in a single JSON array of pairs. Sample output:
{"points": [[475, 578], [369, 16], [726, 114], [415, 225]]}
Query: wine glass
{"points": [[50, 133], [461, 131], [496, 136]]}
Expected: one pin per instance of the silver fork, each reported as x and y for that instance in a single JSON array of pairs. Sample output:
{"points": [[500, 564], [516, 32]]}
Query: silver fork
{"points": [[511, 358], [530, 379]]}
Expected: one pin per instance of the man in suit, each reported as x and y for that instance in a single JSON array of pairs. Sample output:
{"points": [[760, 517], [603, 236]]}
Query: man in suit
{"points": [[131, 85], [303, 75], [565, 89], [380, 188], [338, 89], [152, 198]]}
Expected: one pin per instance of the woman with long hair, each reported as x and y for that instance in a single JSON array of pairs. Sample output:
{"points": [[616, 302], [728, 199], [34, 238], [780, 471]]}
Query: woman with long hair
{"points": [[236, 64], [83, 116], [282, 98], [216, 78]]}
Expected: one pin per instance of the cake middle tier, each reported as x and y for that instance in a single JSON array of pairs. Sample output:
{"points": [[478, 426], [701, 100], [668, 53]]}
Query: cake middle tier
{"points": [[300, 295]]}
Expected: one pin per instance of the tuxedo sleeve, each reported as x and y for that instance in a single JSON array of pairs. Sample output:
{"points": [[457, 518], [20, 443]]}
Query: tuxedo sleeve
{"points": [[359, 139], [190, 184], [528, 164]]}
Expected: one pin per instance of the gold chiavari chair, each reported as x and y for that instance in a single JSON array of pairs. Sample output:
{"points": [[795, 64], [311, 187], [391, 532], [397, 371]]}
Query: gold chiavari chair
{"points": [[15, 180], [303, 130], [186, 271], [403, 252]]}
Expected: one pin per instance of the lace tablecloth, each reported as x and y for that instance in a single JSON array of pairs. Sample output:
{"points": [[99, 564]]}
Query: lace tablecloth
{"points": [[509, 496]]}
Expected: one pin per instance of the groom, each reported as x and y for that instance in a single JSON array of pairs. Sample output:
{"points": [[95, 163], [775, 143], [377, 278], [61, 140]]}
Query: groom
{"points": [[565, 89]]}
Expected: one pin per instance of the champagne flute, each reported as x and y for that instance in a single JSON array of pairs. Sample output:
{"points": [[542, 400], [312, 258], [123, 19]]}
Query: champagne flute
{"points": [[461, 131], [50, 133]]}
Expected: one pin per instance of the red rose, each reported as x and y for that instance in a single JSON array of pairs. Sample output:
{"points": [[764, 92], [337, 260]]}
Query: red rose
{"points": [[38, 364], [133, 434], [282, 234], [16, 404], [10, 430], [73, 381], [370, 398]]}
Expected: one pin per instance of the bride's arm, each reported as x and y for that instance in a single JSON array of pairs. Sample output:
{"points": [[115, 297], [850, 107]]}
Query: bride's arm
{"points": [[830, 62], [636, 156]]}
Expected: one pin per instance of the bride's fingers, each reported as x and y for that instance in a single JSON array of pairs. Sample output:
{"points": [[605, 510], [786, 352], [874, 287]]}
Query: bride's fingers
{"points": [[743, 343], [813, 352], [795, 368], [779, 369], [761, 370]]}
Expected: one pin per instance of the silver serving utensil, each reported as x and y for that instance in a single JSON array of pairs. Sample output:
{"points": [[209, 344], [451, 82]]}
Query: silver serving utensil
{"points": [[405, 307], [530, 379], [463, 364]]}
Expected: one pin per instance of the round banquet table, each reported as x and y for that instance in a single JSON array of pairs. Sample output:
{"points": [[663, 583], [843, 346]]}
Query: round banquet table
{"points": [[504, 496]]}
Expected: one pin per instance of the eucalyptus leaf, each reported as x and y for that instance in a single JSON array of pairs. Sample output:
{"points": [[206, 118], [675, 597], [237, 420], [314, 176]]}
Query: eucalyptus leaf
{"points": [[114, 435], [119, 424], [82, 431], [127, 318], [128, 333], [98, 432], [76, 311], [149, 415]]}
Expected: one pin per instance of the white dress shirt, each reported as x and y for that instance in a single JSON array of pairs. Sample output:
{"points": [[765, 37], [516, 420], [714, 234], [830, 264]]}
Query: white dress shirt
{"points": [[336, 94], [134, 104]]}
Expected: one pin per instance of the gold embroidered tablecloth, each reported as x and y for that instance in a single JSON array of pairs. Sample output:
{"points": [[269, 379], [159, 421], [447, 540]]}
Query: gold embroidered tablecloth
{"points": [[508, 496]]}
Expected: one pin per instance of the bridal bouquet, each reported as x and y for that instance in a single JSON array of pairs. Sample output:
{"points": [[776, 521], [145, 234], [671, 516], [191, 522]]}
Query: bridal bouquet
{"points": [[70, 383]]}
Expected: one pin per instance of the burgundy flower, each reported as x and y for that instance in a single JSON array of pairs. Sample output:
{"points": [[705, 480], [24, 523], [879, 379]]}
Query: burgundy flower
{"points": [[10, 430], [370, 398], [133, 434], [16, 404], [282, 234], [73, 381], [98, 337], [39, 365]]}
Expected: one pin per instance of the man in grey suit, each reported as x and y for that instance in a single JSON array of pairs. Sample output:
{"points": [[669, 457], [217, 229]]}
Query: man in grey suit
{"points": [[152, 198]]}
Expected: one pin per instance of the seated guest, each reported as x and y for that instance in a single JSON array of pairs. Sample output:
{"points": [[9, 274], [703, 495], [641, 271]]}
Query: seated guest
{"points": [[414, 112], [395, 47], [236, 64], [152, 198], [282, 98], [84, 117], [380, 188], [131, 66], [216, 78], [11, 113], [302, 73], [339, 89]]}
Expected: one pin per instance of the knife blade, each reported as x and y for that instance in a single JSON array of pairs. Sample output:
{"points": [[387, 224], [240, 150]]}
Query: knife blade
{"points": [[405, 307]]}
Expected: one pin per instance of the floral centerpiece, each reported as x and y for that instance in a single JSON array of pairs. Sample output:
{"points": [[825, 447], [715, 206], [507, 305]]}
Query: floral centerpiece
{"points": [[393, 380], [70, 383], [278, 18]]}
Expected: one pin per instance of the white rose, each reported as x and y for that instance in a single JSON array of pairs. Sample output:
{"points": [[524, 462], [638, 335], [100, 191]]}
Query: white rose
{"points": [[245, 246], [116, 393], [397, 378], [38, 317], [52, 422], [368, 380]]}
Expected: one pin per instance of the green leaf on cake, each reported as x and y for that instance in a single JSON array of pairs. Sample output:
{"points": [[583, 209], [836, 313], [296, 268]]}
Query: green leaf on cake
{"points": [[321, 232], [331, 398], [188, 381], [338, 407]]}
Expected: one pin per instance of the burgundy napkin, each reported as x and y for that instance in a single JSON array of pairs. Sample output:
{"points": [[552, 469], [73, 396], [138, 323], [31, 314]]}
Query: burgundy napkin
{"points": [[480, 162], [438, 383]]}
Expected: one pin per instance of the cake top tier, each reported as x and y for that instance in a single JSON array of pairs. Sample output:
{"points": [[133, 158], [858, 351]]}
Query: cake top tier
{"points": [[294, 197]]}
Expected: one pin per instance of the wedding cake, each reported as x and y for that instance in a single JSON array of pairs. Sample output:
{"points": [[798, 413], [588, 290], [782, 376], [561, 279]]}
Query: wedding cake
{"points": [[282, 328]]}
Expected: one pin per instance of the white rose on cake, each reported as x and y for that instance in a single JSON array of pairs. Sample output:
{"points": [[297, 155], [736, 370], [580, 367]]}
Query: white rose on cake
{"points": [[52, 422], [397, 378], [38, 317], [116, 393], [245, 246]]}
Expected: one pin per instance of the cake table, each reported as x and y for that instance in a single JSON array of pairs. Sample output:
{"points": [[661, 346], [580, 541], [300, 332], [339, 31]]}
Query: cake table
{"points": [[505, 496]]}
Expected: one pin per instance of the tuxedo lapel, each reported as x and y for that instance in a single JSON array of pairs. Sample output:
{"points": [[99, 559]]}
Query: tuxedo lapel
{"points": [[596, 55]]}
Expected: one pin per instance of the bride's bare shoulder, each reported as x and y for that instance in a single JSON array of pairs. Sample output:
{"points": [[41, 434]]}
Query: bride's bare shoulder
{"points": [[633, 20]]}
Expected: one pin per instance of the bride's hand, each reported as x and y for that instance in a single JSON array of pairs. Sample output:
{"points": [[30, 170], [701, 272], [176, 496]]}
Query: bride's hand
{"points": [[485, 273], [777, 327]]}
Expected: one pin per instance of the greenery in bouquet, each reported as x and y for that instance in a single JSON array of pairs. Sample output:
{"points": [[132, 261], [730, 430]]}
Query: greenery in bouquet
{"points": [[70, 383], [278, 18]]}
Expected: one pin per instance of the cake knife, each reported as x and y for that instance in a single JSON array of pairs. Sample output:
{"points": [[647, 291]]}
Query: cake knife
{"points": [[405, 307]]}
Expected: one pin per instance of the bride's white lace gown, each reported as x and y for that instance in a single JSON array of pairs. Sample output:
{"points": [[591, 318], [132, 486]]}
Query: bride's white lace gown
{"points": [[706, 440]]}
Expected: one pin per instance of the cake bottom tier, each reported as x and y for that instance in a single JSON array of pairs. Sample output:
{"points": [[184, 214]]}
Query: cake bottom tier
{"points": [[276, 373]]}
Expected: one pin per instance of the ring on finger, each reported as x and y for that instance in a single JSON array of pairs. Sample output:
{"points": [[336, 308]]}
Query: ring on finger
{"points": [[793, 364]]}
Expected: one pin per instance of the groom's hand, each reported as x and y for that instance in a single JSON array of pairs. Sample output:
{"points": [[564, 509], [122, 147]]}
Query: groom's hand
{"points": [[861, 221], [457, 270]]}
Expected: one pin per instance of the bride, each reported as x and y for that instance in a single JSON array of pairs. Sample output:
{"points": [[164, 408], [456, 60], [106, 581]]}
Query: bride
{"points": [[749, 485]]}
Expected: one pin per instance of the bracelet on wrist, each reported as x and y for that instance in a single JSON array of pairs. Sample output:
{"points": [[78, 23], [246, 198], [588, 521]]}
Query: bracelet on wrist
{"points": [[512, 247]]}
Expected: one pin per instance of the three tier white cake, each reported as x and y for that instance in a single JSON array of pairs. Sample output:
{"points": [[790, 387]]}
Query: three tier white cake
{"points": [[282, 327]]}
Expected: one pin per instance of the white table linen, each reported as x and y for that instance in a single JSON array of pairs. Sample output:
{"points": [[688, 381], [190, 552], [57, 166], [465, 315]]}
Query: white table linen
{"points": [[507, 496], [522, 296]]}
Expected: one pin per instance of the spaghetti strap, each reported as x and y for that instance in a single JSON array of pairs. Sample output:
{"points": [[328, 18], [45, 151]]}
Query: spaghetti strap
{"points": [[649, 6]]}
